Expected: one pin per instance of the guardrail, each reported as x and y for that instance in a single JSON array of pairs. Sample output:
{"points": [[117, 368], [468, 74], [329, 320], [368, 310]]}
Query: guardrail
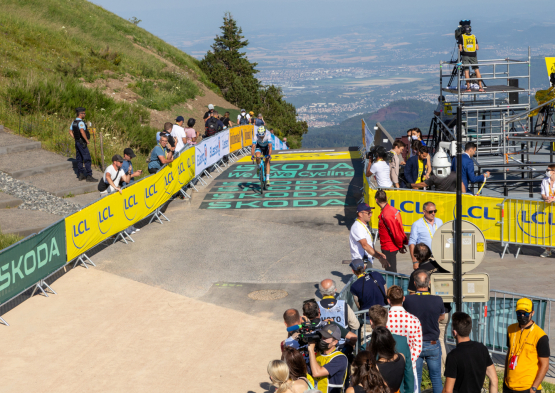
{"points": [[29, 262]]}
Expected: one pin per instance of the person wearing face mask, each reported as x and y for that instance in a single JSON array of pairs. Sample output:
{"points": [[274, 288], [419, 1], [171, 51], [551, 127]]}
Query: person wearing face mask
{"points": [[527, 359], [548, 195], [328, 365]]}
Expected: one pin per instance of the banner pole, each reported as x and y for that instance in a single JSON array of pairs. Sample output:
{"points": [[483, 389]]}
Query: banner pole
{"points": [[458, 219]]}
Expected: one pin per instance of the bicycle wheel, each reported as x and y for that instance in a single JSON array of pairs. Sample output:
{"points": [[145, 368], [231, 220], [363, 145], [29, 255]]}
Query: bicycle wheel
{"points": [[262, 178]]}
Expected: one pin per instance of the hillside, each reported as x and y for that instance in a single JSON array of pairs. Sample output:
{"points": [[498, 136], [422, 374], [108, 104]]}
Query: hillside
{"points": [[397, 118], [56, 55]]}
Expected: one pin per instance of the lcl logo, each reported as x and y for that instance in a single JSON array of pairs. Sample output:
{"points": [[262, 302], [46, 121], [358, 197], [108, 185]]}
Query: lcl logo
{"points": [[79, 230], [149, 193], [128, 204], [103, 217]]}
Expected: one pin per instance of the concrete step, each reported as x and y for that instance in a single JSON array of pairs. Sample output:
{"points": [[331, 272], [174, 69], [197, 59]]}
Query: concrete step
{"points": [[7, 201], [18, 174], [28, 163], [11, 138], [63, 182], [20, 147], [25, 222]]}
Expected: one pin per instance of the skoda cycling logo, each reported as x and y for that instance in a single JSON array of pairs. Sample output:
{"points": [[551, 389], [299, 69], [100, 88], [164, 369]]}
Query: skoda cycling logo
{"points": [[128, 207], [78, 234], [525, 221], [104, 220]]}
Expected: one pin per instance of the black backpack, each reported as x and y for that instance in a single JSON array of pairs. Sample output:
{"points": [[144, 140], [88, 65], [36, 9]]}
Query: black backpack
{"points": [[243, 121], [211, 126]]}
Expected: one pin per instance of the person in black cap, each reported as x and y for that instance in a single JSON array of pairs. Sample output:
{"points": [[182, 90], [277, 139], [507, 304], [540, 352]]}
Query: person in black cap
{"points": [[127, 167], [78, 131], [328, 365], [360, 238], [112, 178], [369, 289]]}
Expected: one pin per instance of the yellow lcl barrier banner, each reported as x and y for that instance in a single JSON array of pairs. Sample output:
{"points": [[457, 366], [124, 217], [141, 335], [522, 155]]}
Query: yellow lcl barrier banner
{"points": [[116, 212], [479, 210], [247, 135], [529, 222], [236, 138]]}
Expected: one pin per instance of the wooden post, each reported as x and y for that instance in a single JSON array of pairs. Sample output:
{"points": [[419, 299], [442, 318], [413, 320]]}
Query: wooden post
{"points": [[94, 141], [101, 152]]}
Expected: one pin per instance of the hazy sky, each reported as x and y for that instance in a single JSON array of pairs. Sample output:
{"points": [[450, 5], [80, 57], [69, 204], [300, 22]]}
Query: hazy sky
{"points": [[194, 24]]}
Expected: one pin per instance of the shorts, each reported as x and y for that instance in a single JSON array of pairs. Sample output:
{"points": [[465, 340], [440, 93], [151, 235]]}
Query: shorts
{"points": [[472, 60], [264, 150]]}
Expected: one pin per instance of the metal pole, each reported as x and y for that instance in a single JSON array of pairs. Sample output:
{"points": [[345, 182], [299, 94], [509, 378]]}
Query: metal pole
{"points": [[458, 220]]}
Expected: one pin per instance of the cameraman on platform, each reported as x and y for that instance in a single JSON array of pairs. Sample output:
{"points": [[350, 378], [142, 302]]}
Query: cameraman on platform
{"points": [[328, 365]]}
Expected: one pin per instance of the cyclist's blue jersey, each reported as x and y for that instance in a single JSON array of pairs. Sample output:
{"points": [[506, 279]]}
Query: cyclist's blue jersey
{"points": [[264, 141]]}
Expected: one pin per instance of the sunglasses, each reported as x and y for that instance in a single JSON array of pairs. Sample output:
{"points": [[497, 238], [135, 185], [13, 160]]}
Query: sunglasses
{"points": [[431, 211], [522, 314]]}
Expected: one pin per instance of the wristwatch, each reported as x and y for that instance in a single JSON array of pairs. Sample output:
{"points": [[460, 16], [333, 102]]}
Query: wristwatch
{"points": [[534, 389]]}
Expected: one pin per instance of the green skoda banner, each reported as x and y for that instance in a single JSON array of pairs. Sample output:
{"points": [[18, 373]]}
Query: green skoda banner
{"points": [[30, 261]]}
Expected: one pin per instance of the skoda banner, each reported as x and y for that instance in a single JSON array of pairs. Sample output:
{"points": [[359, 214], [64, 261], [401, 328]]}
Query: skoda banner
{"points": [[31, 260]]}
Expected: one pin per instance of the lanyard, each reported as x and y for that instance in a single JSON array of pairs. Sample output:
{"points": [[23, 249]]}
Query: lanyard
{"points": [[520, 338], [421, 293], [361, 275], [164, 150], [434, 226], [366, 227]]}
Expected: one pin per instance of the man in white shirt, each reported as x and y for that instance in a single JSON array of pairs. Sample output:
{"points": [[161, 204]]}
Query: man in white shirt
{"points": [[243, 118], [382, 170], [360, 238], [113, 176], [178, 132]]}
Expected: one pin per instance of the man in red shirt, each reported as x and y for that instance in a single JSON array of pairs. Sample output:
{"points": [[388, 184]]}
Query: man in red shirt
{"points": [[391, 231]]}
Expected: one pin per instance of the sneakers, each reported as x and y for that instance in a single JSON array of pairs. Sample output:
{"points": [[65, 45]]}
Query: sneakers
{"points": [[91, 179], [267, 183], [546, 253], [82, 176]]}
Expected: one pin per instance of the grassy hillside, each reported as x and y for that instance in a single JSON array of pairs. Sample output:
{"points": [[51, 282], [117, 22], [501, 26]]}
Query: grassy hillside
{"points": [[397, 118], [56, 55]]}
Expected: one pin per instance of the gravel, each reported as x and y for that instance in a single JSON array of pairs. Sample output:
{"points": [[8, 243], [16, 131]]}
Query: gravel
{"points": [[34, 198]]}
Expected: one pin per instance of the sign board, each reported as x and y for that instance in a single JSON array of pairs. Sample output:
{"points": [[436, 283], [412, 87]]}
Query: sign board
{"points": [[475, 287], [550, 65]]}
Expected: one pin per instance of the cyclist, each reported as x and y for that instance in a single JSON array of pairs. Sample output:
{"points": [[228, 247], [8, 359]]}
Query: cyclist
{"points": [[262, 145]]}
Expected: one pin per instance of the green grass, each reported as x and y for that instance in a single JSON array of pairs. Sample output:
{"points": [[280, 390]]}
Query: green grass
{"points": [[8, 239]]}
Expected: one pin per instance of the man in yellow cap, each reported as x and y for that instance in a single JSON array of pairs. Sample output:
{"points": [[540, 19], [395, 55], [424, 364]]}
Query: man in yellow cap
{"points": [[528, 355]]}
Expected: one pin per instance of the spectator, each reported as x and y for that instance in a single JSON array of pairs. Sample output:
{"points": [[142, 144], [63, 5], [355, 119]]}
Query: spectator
{"points": [[208, 113], [423, 230], [527, 359], [365, 375], [279, 375], [468, 46], [447, 182], [78, 131], [272, 131], [168, 127], [391, 231], [297, 370], [311, 313], [259, 120], [469, 363], [417, 135], [468, 166], [291, 317], [178, 133], [429, 310], [369, 288], [227, 121], [360, 238], [423, 256], [548, 195], [252, 119], [337, 310], [410, 151], [243, 118], [160, 155], [405, 374], [285, 141], [398, 148], [395, 371], [416, 169], [190, 133], [127, 167], [328, 365], [403, 323], [213, 125], [113, 175], [381, 169]]}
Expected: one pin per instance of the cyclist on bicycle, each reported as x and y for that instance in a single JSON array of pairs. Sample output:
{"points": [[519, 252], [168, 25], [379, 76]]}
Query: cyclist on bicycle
{"points": [[262, 146]]}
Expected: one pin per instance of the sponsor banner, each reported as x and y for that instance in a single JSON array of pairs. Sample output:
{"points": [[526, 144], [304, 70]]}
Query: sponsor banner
{"points": [[369, 137], [479, 210], [291, 170], [530, 222], [280, 203], [30, 261], [311, 156], [235, 138], [116, 212], [211, 150], [247, 135]]}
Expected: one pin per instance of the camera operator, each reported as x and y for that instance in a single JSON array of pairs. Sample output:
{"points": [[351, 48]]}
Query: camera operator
{"points": [[311, 313], [328, 365], [291, 318]]}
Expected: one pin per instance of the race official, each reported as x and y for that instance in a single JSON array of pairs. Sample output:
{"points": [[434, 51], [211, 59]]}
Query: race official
{"points": [[337, 310], [423, 230], [391, 231], [360, 238], [527, 359], [369, 289], [328, 365]]}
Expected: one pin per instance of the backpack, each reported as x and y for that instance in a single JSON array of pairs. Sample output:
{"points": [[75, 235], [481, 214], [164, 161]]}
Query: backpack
{"points": [[243, 120], [211, 126]]}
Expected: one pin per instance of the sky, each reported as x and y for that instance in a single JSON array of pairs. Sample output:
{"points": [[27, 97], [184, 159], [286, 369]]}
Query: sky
{"points": [[192, 25]]}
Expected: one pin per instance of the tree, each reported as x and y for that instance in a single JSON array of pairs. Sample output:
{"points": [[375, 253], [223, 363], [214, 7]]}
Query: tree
{"points": [[135, 20], [230, 69]]}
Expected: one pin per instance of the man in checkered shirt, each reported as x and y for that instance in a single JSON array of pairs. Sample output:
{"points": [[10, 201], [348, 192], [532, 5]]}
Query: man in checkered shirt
{"points": [[404, 323]]}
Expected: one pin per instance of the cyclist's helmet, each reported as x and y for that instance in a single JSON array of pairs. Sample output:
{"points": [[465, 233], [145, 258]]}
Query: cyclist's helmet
{"points": [[261, 131]]}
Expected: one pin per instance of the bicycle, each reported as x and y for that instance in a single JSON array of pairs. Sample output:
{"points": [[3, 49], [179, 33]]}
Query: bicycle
{"points": [[261, 174]]}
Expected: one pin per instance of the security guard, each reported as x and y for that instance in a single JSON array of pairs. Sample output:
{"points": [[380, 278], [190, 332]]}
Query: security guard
{"points": [[78, 131], [327, 364], [468, 46], [527, 359]]}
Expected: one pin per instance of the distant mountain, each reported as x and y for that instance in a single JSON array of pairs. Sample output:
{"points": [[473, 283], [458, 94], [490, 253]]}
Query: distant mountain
{"points": [[397, 118]]}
